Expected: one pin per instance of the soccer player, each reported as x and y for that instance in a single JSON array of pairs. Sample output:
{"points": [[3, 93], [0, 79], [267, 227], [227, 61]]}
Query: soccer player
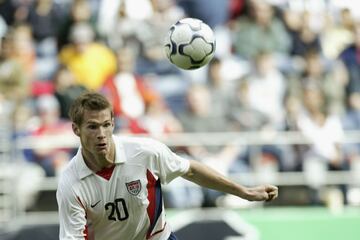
{"points": [[111, 189]]}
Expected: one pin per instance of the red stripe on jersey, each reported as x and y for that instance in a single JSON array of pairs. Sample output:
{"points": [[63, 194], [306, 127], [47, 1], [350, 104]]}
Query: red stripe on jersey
{"points": [[154, 209], [106, 172], [161, 230], [85, 232], [151, 197]]}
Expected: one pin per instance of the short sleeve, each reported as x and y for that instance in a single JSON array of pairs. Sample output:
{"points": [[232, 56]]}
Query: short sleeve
{"points": [[72, 214], [171, 165]]}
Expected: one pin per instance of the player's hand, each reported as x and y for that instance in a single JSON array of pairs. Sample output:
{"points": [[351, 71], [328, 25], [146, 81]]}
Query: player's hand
{"points": [[262, 193]]}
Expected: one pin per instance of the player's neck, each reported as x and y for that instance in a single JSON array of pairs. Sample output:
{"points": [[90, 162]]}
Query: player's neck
{"points": [[97, 162]]}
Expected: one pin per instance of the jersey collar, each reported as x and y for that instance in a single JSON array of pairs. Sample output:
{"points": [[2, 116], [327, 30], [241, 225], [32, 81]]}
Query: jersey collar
{"points": [[120, 156], [84, 171]]}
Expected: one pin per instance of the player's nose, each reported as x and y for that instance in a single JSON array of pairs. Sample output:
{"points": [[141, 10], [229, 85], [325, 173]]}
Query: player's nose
{"points": [[101, 133]]}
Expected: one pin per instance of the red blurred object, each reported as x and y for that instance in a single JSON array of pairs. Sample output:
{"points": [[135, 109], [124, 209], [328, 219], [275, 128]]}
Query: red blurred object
{"points": [[42, 87], [236, 8]]}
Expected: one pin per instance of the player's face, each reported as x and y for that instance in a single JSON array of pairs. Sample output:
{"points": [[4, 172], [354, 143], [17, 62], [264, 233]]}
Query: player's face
{"points": [[96, 132]]}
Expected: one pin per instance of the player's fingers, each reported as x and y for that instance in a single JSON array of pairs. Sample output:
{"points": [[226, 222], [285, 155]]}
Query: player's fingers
{"points": [[272, 193], [271, 188], [271, 197]]}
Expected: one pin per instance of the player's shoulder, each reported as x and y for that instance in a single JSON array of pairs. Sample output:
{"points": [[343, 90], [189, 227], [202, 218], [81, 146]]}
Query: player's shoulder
{"points": [[140, 144], [69, 175], [137, 141]]}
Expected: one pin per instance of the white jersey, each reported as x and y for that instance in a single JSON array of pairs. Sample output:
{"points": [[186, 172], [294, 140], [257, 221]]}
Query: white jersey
{"points": [[123, 202]]}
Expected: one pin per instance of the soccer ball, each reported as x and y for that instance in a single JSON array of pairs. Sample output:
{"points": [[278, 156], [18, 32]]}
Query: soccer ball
{"points": [[190, 44]]}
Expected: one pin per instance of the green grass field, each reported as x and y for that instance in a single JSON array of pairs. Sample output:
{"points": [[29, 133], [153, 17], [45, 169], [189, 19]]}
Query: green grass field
{"points": [[302, 223]]}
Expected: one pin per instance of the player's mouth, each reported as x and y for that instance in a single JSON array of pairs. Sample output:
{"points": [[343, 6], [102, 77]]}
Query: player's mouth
{"points": [[101, 146]]}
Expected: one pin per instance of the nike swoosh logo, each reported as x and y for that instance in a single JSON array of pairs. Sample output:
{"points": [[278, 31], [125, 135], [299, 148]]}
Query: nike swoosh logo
{"points": [[93, 205]]}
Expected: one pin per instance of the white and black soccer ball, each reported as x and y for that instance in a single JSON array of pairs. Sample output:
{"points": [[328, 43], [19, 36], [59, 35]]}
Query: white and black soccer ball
{"points": [[190, 43]]}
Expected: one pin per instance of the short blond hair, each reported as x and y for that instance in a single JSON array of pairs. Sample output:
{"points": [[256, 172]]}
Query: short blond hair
{"points": [[91, 101]]}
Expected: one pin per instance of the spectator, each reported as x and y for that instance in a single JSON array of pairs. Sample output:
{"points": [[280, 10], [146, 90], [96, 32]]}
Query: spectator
{"points": [[337, 34], [52, 160], [264, 93], [267, 88], [236, 8], [352, 62], [304, 38], [331, 78], [90, 61], [158, 120], [7, 11], [23, 49], [152, 59], [294, 153], [126, 30], [351, 122], [324, 130], [219, 87], [80, 12], [251, 32], [242, 115], [199, 117], [15, 12], [212, 12], [127, 90], [14, 85], [109, 9], [45, 18], [66, 90]]}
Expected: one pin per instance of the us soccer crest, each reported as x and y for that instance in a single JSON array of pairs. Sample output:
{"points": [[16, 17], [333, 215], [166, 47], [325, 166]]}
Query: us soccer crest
{"points": [[134, 187]]}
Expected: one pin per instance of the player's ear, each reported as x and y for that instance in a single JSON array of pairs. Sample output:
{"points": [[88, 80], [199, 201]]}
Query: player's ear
{"points": [[76, 129]]}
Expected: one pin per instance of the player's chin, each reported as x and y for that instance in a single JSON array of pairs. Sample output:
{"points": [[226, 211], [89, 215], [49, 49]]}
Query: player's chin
{"points": [[102, 150]]}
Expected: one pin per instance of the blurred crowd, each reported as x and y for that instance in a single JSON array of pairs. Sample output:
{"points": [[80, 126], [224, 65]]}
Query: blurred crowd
{"points": [[280, 65]]}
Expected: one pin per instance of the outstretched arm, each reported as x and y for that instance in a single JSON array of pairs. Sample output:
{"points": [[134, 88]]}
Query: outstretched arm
{"points": [[209, 178]]}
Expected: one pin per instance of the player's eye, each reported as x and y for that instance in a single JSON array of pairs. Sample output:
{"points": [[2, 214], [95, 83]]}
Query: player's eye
{"points": [[107, 124], [92, 127]]}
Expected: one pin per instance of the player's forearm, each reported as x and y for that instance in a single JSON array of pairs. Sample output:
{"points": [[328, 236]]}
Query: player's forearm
{"points": [[209, 178]]}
